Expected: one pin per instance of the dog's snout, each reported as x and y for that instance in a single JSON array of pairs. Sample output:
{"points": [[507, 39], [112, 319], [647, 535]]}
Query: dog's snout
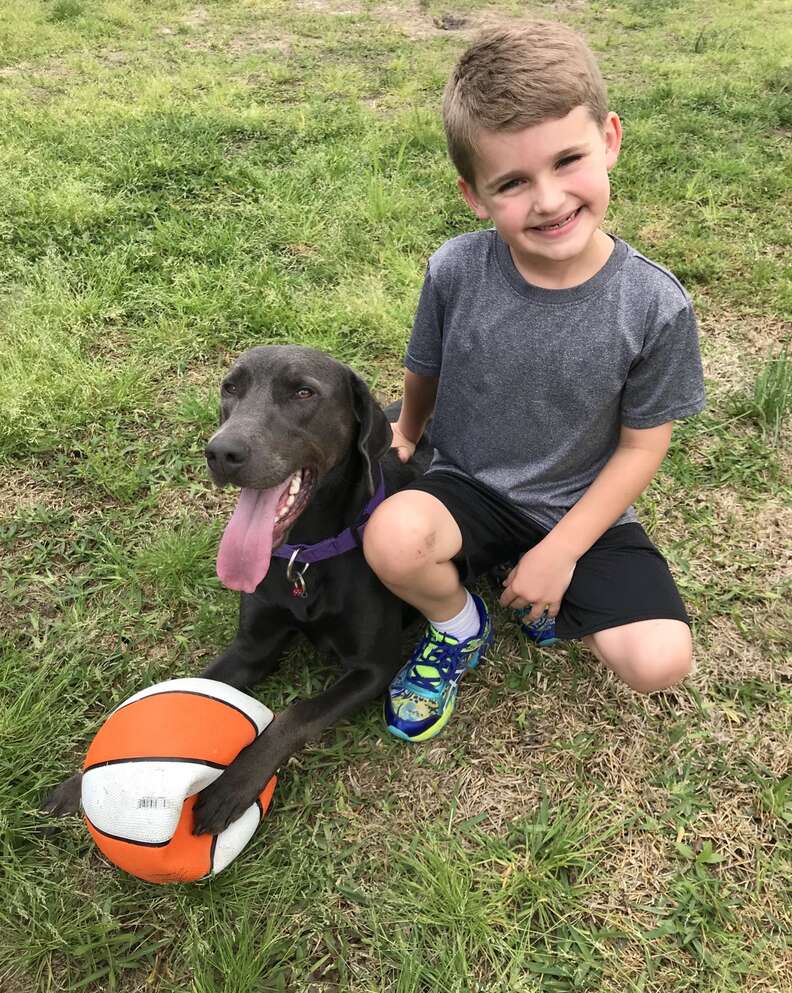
{"points": [[227, 455]]}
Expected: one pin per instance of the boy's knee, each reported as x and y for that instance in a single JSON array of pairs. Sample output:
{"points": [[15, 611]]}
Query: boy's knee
{"points": [[649, 655], [659, 669], [397, 541]]}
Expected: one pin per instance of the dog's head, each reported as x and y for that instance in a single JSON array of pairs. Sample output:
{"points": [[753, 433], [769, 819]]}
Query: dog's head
{"points": [[288, 416], [285, 408]]}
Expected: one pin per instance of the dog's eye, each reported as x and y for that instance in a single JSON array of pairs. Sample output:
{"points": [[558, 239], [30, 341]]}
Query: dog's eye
{"points": [[229, 388], [304, 393]]}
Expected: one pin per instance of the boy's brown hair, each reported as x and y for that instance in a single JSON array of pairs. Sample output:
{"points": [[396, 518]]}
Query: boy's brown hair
{"points": [[516, 77]]}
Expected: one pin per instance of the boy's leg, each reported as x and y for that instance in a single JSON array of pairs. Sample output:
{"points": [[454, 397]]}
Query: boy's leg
{"points": [[409, 543], [647, 655], [623, 604]]}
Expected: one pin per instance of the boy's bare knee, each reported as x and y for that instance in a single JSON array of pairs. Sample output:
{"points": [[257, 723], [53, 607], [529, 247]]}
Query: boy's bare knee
{"points": [[648, 655], [659, 670], [396, 544]]}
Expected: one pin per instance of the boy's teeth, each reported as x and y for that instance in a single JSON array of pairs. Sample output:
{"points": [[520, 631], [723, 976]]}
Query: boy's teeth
{"points": [[558, 224]]}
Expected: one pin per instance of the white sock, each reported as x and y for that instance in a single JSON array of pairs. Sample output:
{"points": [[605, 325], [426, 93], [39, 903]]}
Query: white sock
{"points": [[464, 625]]}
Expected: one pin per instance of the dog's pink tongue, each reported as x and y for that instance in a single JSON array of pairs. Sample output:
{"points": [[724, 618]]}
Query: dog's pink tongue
{"points": [[246, 546]]}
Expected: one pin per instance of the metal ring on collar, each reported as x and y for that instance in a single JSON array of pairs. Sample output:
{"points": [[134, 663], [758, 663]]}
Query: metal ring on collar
{"points": [[293, 574]]}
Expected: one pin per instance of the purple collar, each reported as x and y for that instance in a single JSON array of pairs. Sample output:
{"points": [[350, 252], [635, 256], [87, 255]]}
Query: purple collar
{"points": [[351, 537]]}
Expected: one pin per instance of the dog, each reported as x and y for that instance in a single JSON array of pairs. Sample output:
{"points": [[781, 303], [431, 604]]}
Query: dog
{"points": [[310, 449]]}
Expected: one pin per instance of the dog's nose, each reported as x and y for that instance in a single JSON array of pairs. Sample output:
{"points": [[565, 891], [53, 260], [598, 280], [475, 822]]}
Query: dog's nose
{"points": [[226, 455]]}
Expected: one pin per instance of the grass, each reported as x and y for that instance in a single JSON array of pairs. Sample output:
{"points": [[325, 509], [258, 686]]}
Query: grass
{"points": [[770, 401], [180, 182]]}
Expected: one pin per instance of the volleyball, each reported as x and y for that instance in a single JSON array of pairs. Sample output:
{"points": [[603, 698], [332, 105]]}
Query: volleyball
{"points": [[146, 765]]}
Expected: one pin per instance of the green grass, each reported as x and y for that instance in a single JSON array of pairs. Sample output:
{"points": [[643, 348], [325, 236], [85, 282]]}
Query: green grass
{"points": [[180, 182], [769, 404]]}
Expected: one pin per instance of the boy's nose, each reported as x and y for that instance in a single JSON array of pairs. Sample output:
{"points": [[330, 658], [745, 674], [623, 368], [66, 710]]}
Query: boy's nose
{"points": [[548, 199]]}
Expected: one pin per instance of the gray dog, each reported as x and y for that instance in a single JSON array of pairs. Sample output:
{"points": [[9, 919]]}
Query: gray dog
{"points": [[308, 445]]}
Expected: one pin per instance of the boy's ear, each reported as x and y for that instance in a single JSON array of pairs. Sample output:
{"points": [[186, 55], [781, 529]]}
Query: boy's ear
{"points": [[469, 194], [612, 132]]}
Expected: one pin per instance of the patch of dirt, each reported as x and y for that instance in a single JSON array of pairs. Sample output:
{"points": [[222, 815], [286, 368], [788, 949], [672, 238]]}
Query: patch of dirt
{"points": [[727, 655], [20, 491], [736, 343], [337, 8], [115, 59], [762, 530], [639, 869], [195, 18], [52, 70], [252, 43], [199, 36], [418, 24], [746, 550]]}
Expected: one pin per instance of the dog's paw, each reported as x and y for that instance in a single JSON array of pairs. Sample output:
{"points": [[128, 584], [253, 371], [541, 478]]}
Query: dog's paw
{"points": [[64, 799], [221, 803]]}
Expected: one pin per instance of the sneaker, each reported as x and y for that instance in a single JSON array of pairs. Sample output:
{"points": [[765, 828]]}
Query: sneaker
{"points": [[542, 632], [421, 698]]}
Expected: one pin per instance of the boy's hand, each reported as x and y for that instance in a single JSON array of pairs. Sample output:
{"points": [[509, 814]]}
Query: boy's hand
{"points": [[404, 447], [539, 581]]}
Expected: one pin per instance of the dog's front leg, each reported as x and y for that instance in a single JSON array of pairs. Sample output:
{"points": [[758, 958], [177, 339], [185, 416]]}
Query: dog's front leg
{"points": [[262, 638], [64, 799], [237, 788]]}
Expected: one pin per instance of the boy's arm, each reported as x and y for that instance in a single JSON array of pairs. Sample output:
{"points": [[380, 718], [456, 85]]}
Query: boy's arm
{"points": [[417, 406], [543, 574]]}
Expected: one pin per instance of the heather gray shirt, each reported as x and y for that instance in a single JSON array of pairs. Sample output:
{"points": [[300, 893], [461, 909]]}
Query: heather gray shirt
{"points": [[535, 384]]}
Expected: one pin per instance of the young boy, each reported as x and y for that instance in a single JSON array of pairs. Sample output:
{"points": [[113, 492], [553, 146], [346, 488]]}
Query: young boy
{"points": [[554, 358]]}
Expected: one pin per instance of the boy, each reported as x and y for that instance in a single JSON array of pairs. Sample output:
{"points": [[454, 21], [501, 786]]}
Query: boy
{"points": [[554, 358]]}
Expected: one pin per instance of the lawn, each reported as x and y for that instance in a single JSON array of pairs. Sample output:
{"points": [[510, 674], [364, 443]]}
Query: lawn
{"points": [[180, 182]]}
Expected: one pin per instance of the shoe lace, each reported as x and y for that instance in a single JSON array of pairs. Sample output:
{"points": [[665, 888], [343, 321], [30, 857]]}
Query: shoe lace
{"points": [[437, 653]]}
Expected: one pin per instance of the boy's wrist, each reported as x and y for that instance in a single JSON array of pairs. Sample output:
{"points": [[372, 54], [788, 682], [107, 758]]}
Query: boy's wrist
{"points": [[409, 435], [563, 544]]}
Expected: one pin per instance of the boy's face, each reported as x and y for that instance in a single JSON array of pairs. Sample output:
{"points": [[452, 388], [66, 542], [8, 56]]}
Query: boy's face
{"points": [[546, 188]]}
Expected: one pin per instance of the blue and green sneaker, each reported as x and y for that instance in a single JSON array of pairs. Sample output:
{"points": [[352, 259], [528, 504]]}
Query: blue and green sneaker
{"points": [[421, 698], [542, 632]]}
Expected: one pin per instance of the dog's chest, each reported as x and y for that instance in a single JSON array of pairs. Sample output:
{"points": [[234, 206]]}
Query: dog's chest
{"points": [[319, 591]]}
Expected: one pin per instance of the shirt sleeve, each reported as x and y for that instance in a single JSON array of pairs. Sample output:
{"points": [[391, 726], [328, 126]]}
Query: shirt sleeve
{"points": [[424, 351], [666, 380]]}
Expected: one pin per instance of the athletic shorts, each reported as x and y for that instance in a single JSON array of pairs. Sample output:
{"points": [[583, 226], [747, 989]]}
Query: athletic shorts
{"points": [[622, 578]]}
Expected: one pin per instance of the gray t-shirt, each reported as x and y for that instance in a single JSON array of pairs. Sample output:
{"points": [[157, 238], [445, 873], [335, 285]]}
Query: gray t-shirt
{"points": [[535, 384]]}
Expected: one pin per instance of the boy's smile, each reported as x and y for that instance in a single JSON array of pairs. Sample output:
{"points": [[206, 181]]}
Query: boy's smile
{"points": [[546, 190]]}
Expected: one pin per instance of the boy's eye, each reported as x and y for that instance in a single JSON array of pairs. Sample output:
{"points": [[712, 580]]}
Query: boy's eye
{"points": [[569, 159], [510, 185]]}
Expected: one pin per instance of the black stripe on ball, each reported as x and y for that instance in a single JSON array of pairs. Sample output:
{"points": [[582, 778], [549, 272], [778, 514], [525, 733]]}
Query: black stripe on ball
{"points": [[129, 841], [155, 758]]}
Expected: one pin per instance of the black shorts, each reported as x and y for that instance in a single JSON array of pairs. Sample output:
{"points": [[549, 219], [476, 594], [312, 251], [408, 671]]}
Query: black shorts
{"points": [[622, 578]]}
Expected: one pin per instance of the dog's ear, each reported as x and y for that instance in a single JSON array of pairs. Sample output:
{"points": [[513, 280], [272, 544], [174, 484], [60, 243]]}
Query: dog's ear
{"points": [[374, 434]]}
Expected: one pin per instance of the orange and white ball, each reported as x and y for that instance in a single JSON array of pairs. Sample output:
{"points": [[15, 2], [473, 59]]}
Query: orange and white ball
{"points": [[148, 761]]}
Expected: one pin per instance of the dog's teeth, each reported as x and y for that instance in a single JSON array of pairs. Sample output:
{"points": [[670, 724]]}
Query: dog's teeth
{"points": [[290, 501], [294, 485]]}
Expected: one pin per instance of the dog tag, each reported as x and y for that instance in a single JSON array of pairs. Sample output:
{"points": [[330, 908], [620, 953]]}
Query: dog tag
{"points": [[296, 576]]}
